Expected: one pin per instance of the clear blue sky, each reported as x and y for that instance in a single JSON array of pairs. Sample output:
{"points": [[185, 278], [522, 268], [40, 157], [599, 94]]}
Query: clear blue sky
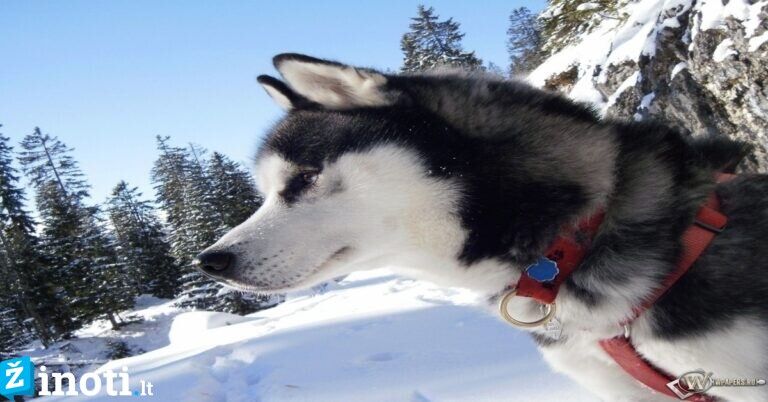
{"points": [[107, 76]]}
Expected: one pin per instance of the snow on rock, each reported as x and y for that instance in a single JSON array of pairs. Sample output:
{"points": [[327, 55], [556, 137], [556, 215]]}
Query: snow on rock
{"points": [[371, 337], [628, 83], [714, 14], [677, 68], [723, 50], [701, 59], [645, 103], [757, 41]]}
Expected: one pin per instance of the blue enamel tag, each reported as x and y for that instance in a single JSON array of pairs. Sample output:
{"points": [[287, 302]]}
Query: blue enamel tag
{"points": [[543, 270]]}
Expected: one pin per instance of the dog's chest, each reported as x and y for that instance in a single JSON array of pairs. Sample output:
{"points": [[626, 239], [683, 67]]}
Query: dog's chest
{"points": [[738, 350]]}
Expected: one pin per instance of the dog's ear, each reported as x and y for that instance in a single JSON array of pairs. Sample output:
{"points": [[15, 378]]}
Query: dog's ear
{"points": [[282, 94], [333, 85]]}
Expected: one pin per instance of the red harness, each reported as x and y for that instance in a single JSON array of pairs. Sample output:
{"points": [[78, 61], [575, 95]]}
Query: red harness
{"points": [[568, 253]]}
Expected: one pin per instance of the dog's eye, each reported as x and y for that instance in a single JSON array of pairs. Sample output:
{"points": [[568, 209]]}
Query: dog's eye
{"points": [[309, 177], [299, 184]]}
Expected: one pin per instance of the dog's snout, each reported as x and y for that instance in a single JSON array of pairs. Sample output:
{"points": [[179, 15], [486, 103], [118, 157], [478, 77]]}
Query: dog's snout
{"points": [[215, 262]]}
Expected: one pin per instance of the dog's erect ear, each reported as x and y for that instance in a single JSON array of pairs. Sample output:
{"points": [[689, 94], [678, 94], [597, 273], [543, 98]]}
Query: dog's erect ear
{"points": [[281, 93], [333, 85]]}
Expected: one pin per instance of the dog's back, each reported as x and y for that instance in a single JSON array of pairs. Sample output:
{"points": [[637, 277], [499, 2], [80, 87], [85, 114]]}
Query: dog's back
{"points": [[730, 280]]}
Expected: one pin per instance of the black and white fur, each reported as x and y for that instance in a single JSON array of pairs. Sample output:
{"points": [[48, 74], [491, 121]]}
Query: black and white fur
{"points": [[464, 179]]}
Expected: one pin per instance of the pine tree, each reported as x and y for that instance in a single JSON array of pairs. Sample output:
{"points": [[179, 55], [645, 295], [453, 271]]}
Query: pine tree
{"points": [[234, 194], [204, 220], [141, 243], [493, 69], [235, 199], [202, 225], [202, 201], [523, 41], [432, 43], [115, 288], [87, 275], [169, 175], [31, 297], [183, 192]]}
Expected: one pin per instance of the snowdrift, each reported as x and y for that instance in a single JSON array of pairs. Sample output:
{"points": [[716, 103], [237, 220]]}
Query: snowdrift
{"points": [[371, 337]]}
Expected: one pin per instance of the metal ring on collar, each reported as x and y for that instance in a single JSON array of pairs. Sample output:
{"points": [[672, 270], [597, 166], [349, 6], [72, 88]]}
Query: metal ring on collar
{"points": [[548, 314]]}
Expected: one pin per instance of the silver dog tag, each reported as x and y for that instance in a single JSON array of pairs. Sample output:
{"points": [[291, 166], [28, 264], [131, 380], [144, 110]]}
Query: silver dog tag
{"points": [[553, 328]]}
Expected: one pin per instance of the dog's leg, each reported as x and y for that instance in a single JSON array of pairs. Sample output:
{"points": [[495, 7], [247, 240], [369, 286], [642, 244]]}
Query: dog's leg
{"points": [[588, 365]]}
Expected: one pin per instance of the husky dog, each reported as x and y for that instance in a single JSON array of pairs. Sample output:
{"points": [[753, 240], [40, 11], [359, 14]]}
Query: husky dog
{"points": [[464, 179]]}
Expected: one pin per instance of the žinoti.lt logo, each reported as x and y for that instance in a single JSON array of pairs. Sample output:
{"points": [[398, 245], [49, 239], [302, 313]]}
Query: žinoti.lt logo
{"points": [[17, 377]]}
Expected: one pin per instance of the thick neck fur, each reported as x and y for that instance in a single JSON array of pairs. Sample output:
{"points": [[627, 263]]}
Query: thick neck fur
{"points": [[524, 188]]}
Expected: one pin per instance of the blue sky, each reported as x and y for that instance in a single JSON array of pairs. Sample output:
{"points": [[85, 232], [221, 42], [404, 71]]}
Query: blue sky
{"points": [[107, 76]]}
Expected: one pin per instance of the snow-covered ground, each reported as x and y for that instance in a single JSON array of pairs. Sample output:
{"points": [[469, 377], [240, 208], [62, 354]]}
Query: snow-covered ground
{"points": [[371, 337], [90, 347]]}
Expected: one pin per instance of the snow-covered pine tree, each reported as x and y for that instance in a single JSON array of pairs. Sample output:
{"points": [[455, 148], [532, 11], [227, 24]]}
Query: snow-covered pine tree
{"points": [[86, 271], [432, 43], [234, 193], [29, 296], [523, 41], [169, 175], [202, 224], [183, 193], [200, 209], [115, 287], [141, 243], [13, 333], [235, 198]]}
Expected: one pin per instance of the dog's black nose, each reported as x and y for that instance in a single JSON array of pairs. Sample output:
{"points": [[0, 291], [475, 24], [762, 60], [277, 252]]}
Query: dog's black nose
{"points": [[215, 262]]}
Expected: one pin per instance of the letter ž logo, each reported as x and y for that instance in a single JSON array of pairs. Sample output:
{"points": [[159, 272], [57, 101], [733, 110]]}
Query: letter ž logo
{"points": [[17, 377]]}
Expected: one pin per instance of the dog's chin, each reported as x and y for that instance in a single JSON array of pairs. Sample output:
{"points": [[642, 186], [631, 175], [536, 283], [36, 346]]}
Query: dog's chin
{"points": [[314, 277]]}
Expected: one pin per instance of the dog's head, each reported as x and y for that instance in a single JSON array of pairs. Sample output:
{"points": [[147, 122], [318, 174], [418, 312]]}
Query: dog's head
{"points": [[345, 184], [429, 173]]}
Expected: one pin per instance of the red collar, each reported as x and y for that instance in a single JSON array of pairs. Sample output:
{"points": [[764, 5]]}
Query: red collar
{"points": [[541, 281], [562, 257]]}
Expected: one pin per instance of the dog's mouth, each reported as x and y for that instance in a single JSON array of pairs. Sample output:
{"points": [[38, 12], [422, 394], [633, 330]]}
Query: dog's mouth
{"points": [[247, 287], [333, 258], [340, 252]]}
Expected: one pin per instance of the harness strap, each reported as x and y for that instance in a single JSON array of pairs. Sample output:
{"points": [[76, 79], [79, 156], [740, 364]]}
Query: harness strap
{"points": [[708, 223], [626, 356]]}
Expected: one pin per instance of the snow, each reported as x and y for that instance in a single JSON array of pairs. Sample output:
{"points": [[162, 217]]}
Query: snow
{"points": [[677, 68], [724, 50], [645, 103], [615, 41], [756, 41], [371, 337], [628, 83], [714, 13], [752, 20], [90, 345], [587, 6], [196, 322]]}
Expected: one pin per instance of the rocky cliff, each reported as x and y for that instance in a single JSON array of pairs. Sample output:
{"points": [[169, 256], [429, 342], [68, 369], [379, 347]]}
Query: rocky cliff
{"points": [[701, 66]]}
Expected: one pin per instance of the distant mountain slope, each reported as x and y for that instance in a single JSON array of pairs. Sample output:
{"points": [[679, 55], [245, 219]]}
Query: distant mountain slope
{"points": [[700, 65]]}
